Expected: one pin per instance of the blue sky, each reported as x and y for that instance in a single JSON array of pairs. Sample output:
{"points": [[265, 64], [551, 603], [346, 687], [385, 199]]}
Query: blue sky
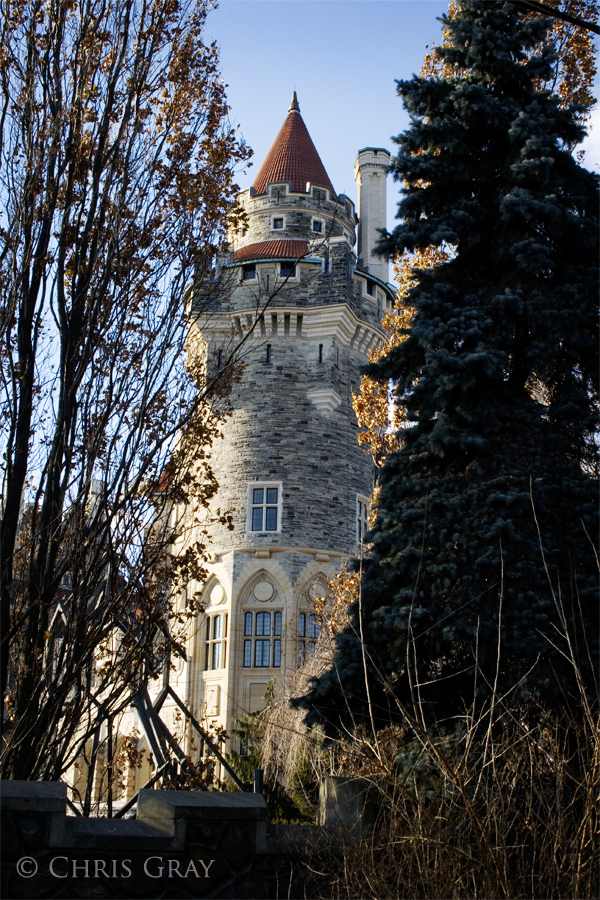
{"points": [[342, 57]]}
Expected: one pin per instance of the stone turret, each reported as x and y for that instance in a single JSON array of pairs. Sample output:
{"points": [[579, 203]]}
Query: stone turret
{"points": [[370, 171], [289, 465]]}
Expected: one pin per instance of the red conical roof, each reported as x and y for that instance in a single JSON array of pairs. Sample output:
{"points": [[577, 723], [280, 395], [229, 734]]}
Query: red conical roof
{"points": [[293, 157]]}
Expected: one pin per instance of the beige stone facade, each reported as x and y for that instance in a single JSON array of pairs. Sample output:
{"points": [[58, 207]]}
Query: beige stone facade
{"points": [[289, 465]]}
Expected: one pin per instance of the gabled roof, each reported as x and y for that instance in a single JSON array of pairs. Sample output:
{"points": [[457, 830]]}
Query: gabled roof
{"points": [[282, 249], [293, 157]]}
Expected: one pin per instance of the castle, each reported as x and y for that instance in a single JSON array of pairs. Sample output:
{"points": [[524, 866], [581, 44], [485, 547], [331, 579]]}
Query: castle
{"points": [[289, 465]]}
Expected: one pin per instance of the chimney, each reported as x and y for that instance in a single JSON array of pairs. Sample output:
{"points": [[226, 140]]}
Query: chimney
{"points": [[370, 171]]}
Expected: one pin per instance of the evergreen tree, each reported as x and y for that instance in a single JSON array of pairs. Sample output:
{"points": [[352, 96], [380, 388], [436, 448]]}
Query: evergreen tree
{"points": [[487, 513]]}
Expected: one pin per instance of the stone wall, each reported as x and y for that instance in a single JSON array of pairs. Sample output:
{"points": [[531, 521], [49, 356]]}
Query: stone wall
{"points": [[182, 844]]}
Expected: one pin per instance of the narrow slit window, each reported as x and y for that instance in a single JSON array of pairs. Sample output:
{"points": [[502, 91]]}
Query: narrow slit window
{"points": [[301, 624], [362, 518], [215, 642], [301, 654]]}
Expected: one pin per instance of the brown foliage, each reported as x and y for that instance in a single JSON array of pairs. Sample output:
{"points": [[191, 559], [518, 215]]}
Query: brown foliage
{"points": [[117, 176], [379, 414]]}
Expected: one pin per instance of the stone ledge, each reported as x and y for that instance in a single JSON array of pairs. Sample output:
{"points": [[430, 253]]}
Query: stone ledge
{"points": [[33, 796]]}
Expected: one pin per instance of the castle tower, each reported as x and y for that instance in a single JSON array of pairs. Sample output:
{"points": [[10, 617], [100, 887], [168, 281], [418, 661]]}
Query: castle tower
{"points": [[289, 465], [370, 170]]}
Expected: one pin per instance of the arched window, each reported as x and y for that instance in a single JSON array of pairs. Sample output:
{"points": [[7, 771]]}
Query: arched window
{"points": [[215, 650], [308, 627]]}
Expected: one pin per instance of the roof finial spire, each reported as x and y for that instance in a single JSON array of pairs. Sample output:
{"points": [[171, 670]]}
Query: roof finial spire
{"points": [[294, 107]]}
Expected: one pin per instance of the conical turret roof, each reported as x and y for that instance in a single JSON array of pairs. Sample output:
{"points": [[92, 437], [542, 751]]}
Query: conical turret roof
{"points": [[293, 157]]}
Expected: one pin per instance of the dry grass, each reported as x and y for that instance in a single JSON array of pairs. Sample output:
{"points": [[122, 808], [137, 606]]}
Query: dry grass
{"points": [[507, 807]]}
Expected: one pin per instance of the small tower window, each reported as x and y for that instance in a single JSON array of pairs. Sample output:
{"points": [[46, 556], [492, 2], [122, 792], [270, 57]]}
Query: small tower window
{"points": [[264, 507], [317, 226], [249, 272], [320, 353], [287, 270], [370, 289], [362, 518], [277, 223]]}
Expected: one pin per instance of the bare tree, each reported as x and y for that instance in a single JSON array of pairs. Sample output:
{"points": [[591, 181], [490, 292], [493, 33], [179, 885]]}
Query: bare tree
{"points": [[117, 176]]}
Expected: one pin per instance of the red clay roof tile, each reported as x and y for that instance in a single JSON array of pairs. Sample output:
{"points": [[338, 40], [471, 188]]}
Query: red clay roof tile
{"points": [[293, 158], [282, 249]]}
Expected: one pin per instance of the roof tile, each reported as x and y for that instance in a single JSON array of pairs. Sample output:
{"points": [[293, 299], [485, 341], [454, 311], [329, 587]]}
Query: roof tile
{"points": [[293, 157], [282, 249]]}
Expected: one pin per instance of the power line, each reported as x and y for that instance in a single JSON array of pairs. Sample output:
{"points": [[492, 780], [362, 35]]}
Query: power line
{"points": [[535, 6]]}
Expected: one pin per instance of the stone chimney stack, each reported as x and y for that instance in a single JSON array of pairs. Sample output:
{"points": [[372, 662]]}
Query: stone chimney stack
{"points": [[370, 171]]}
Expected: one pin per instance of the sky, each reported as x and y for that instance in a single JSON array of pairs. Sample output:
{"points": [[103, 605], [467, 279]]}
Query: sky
{"points": [[342, 57]]}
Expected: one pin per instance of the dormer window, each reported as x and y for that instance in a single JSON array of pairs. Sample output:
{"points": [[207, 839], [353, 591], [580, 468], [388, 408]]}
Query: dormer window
{"points": [[277, 223]]}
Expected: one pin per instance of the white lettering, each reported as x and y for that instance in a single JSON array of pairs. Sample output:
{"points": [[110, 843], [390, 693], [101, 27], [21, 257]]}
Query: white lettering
{"points": [[51, 867], [125, 866], [160, 868], [84, 867], [100, 864], [193, 868], [174, 864], [206, 867], [114, 869]]}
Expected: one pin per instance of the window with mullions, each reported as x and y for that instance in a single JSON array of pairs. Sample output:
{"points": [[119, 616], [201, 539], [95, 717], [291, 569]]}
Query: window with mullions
{"points": [[215, 642], [264, 512], [362, 518], [308, 627], [259, 650]]}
